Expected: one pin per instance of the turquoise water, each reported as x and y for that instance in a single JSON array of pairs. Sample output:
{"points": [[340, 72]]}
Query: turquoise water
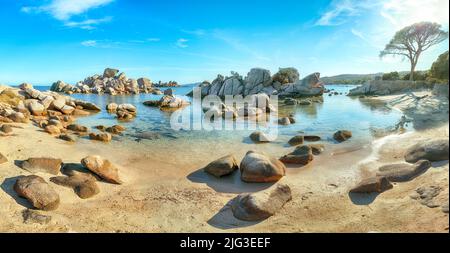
{"points": [[323, 119]]}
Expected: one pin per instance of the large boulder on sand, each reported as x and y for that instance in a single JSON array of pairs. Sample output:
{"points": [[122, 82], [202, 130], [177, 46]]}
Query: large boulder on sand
{"points": [[103, 168], [3, 159], [261, 205], [301, 155], [432, 150], [83, 184], [403, 172], [260, 168], [42, 164], [222, 167], [38, 192], [372, 184], [260, 137]]}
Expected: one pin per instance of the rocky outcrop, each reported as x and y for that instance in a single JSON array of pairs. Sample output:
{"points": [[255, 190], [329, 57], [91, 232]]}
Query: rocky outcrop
{"points": [[285, 83], [103, 168], [261, 205], [403, 172], [40, 194], [383, 87], [104, 137], [432, 150], [167, 102], [112, 83], [260, 168], [222, 166]]}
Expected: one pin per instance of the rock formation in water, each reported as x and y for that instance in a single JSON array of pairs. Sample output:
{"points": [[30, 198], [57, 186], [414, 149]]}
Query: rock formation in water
{"points": [[285, 82], [113, 83]]}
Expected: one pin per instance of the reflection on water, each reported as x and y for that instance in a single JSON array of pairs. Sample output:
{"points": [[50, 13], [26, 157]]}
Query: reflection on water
{"points": [[320, 118]]}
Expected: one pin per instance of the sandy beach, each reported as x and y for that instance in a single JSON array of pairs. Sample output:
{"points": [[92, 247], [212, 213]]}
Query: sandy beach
{"points": [[158, 195]]}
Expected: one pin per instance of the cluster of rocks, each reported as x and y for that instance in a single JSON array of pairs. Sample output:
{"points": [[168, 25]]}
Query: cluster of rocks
{"points": [[112, 82], [255, 167], [124, 112], [51, 111], [168, 101], [82, 178], [284, 83], [418, 160], [302, 154]]}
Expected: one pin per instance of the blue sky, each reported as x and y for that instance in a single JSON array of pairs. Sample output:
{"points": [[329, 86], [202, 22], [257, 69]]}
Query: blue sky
{"points": [[193, 40]]}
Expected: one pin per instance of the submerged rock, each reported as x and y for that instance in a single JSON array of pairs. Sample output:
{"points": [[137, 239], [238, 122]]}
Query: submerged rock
{"points": [[42, 164], [317, 149], [37, 192], [312, 138], [222, 167], [403, 172], [103, 168], [116, 129], [261, 205], [77, 128], [296, 140], [284, 121], [372, 184], [433, 150], [342, 135], [260, 168]]}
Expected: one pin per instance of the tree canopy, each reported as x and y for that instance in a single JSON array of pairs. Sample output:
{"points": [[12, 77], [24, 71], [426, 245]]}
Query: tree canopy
{"points": [[439, 69], [412, 40]]}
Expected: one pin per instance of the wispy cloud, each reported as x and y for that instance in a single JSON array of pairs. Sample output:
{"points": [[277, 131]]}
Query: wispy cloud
{"points": [[65, 10], [182, 43], [89, 43], [153, 39], [197, 32], [341, 11], [88, 24], [337, 13]]}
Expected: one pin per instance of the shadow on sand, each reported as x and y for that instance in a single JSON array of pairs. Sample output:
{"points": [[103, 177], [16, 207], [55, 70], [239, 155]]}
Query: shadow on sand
{"points": [[227, 184], [8, 187], [363, 199], [224, 219]]}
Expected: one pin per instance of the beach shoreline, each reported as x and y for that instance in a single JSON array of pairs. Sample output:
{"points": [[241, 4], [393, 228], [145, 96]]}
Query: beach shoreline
{"points": [[160, 196]]}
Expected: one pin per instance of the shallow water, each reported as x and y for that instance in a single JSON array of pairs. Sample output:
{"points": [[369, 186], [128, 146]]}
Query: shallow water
{"points": [[152, 125]]}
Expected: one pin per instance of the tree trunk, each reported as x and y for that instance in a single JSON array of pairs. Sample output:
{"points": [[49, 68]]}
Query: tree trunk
{"points": [[413, 68]]}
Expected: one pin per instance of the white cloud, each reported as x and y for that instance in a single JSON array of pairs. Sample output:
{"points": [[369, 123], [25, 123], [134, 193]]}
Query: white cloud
{"points": [[182, 43], [338, 13], [89, 43], [88, 24], [153, 39], [402, 13], [65, 10]]}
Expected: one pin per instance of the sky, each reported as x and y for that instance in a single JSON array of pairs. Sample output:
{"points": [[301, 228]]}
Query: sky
{"points": [[188, 41]]}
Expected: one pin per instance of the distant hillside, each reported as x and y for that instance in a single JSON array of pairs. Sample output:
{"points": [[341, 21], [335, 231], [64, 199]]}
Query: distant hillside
{"points": [[349, 78]]}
